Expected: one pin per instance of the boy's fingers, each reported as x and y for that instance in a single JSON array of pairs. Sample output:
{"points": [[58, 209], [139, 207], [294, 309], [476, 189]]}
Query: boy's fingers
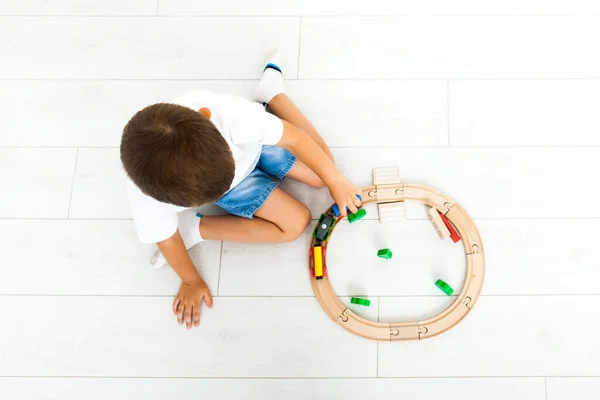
{"points": [[352, 208], [187, 314], [175, 305], [208, 300], [180, 309], [196, 314]]}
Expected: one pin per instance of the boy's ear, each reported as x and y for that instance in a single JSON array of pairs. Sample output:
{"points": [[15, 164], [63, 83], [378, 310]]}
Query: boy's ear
{"points": [[205, 111]]}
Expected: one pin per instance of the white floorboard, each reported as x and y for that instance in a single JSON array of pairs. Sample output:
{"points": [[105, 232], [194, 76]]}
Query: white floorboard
{"points": [[522, 258], [375, 113], [502, 336], [524, 113], [457, 47], [540, 256], [489, 183], [376, 7], [99, 191], [260, 389], [347, 113], [139, 337], [36, 183], [78, 7], [84, 113], [81, 257], [134, 48], [572, 388]]}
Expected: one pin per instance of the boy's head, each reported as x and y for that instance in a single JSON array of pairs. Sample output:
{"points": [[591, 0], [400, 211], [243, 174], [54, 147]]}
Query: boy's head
{"points": [[176, 155]]}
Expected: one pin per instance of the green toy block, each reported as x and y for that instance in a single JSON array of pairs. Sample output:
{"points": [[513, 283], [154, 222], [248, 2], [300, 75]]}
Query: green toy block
{"points": [[362, 302], [357, 215], [384, 253], [444, 287]]}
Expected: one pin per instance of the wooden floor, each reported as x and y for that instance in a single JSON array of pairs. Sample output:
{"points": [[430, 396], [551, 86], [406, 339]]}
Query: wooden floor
{"points": [[495, 103]]}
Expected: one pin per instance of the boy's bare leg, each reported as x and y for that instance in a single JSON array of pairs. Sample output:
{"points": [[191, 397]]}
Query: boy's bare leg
{"points": [[302, 173], [281, 218], [284, 108]]}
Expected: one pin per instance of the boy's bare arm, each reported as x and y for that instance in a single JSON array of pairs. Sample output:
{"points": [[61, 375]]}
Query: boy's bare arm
{"points": [[300, 144], [285, 109], [193, 288]]}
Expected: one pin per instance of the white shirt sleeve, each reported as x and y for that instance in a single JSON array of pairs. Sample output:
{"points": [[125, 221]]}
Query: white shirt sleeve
{"points": [[154, 221], [250, 123]]}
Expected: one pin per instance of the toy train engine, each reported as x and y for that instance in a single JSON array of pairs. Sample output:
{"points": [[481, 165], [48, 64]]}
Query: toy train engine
{"points": [[324, 227]]}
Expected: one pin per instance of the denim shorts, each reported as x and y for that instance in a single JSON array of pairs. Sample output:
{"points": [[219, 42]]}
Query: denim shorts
{"points": [[252, 192]]}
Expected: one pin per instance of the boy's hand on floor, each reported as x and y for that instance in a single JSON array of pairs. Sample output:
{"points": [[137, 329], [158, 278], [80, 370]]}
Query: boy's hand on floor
{"points": [[188, 300], [344, 194]]}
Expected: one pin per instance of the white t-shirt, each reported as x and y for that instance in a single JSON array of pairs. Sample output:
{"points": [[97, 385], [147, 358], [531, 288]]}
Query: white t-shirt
{"points": [[246, 127]]}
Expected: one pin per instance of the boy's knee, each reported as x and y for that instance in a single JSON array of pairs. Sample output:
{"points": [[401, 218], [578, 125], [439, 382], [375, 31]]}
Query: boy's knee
{"points": [[297, 227]]}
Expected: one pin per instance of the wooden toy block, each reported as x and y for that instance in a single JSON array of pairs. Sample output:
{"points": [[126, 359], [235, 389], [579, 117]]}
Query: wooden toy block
{"points": [[453, 234], [438, 223], [385, 176], [391, 212], [357, 215], [444, 287], [362, 302], [384, 253]]}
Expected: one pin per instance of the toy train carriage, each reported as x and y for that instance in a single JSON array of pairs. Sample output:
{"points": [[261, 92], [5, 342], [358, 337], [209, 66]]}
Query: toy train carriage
{"points": [[317, 262]]}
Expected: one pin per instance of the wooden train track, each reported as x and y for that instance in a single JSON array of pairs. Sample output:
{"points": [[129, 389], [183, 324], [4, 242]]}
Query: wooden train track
{"points": [[475, 270]]}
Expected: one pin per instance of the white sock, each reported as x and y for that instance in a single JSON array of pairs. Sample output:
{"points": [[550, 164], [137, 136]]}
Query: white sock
{"points": [[271, 81], [158, 260]]}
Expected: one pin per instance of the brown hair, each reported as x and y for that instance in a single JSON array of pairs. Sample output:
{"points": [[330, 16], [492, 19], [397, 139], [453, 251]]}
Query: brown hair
{"points": [[176, 155]]}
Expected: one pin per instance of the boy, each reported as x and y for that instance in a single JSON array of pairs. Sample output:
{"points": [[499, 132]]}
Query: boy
{"points": [[210, 148]]}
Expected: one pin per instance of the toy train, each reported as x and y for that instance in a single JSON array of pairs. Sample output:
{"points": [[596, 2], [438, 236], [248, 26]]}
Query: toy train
{"points": [[317, 252]]}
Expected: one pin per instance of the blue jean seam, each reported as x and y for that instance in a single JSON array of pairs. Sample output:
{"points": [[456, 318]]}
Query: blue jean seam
{"points": [[258, 202], [288, 165]]}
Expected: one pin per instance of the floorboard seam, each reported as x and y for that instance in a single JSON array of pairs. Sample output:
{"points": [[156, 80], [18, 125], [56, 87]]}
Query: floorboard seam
{"points": [[73, 183]]}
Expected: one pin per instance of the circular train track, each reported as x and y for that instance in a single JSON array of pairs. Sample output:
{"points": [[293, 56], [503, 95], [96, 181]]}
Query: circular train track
{"points": [[417, 330]]}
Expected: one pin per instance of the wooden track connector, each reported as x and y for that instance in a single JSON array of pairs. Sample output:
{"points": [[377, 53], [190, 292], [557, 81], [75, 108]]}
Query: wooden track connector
{"points": [[447, 206], [438, 224], [467, 302], [391, 212], [343, 317], [423, 330], [394, 332], [474, 249]]}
